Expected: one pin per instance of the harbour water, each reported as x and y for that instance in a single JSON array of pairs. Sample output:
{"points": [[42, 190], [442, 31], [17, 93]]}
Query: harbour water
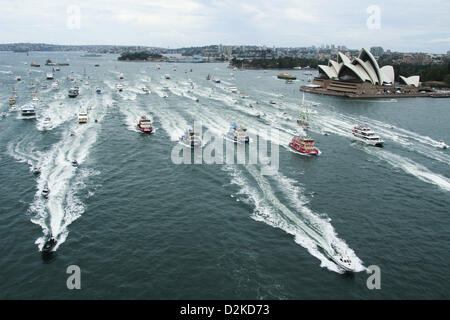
{"points": [[142, 227]]}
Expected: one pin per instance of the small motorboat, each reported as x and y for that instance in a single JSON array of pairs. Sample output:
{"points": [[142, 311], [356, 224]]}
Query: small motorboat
{"points": [[75, 163], [98, 91], [36, 171], [3, 114], [167, 76], [45, 192], [96, 120], [49, 245], [12, 101], [121, 76], [442, 144], [325, 133], [119, 87], [145, 90], [18, 78], [343, 262]]}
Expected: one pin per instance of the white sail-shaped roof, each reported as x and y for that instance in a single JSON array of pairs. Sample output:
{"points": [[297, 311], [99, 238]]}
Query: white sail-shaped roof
{"points": [[329, 71], [411, 81], [387, 75]]}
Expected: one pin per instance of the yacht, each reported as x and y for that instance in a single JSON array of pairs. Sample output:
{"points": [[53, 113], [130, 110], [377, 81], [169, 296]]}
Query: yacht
{"points": [[191, 139], [28, 111], [343, 262], [82, 117], [366, 135]]}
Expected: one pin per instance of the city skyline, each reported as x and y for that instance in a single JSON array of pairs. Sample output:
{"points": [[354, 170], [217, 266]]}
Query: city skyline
{"points": [[177, 23]]}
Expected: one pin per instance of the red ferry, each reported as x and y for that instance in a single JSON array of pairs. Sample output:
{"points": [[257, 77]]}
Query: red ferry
{"points": [[145, 125], [304, 145]]}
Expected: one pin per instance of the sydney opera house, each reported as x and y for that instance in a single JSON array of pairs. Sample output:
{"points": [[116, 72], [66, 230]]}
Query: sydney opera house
{"points": [[360, 76]]}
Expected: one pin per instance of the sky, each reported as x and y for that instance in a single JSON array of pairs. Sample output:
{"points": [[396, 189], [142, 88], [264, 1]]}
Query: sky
{"points": [[399, 25]]}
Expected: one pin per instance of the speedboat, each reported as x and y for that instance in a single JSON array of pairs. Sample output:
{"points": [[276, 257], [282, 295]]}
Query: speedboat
{"points": [[12, 101], [82, 117], [28, 111], [36, 171], [233, 89], [145, 90], [47, 121], [216, 80], [191, 139], [145, 125], [121, 76], [343, 262], [18, 78], [442, 144], [49, 76], [13, 108], [49, 245], [167, 76], [119, 87], [75, 163], [3, 114], [366, 135], [304, 145], [45, 192], [237, 134], [98, 91]]}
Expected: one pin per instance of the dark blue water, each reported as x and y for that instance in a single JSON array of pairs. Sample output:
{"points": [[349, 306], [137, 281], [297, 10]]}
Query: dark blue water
{"points": [[140, 226]]}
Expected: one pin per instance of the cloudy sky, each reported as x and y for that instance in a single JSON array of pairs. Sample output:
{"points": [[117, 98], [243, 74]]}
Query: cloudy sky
{"points": [[402, 25]]}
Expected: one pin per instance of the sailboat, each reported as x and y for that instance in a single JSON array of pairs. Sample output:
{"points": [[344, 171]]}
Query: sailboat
{"points": [[303, 117]]}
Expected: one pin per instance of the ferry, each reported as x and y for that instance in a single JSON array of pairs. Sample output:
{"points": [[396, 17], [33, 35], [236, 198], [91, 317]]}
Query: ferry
{"points": [[12, 101], [366, 135], [237, 134], [82, 117], [28, 111], [145, 125], [35, 64], [73, 93], [304, 145], [286, 76], [119, 87], [49, 76], [191, 139]]}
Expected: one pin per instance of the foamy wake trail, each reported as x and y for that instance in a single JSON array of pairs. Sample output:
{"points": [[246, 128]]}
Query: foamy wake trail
{"points": [[411, 167], [63, 205], [311, 231]]}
